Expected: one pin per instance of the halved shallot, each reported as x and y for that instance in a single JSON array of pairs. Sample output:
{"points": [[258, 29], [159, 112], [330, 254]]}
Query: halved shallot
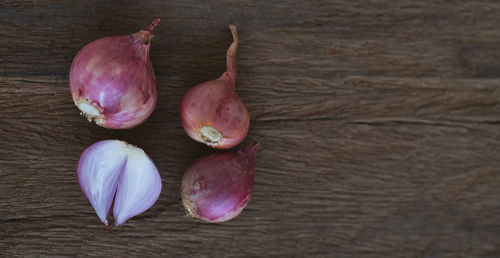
{"points": [[113, 172]]}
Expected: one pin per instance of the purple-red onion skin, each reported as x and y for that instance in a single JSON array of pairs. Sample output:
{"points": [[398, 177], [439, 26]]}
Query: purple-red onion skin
{"points": [[217, 187], [115, 75], [215, 104]]}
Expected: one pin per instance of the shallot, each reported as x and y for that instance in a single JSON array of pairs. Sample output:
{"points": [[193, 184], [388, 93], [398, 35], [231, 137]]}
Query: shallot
{"points": [[217, 187], [112, 80], [212, 113], [113, 172]]}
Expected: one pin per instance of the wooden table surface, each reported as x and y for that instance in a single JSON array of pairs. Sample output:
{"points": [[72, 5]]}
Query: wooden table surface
{"points": [[379, 123]]}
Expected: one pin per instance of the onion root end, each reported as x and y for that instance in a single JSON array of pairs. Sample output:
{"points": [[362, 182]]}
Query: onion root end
{"points": [[210, 136], [91, 111]]}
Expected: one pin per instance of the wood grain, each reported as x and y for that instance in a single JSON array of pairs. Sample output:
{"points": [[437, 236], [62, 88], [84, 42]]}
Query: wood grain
{"points": [[379, 124]]}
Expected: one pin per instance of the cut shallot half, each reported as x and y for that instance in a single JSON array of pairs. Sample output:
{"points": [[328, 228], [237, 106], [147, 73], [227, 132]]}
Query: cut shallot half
{"points": [[113, 172]]}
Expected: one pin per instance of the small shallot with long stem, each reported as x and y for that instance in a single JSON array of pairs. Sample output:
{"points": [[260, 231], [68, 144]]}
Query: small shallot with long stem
{"points": [[212, 112]]}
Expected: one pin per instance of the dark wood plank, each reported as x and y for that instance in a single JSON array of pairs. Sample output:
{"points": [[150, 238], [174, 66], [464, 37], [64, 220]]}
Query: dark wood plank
{"points": [[378, 121]]}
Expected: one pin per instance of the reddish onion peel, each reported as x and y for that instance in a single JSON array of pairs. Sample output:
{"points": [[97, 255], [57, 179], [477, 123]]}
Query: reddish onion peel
{"points": [[112, 80], [212, 113], [217, 187]]}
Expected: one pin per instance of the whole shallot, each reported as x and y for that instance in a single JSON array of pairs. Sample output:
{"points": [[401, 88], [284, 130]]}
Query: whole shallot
{"points": [[217, 187], [112, 80], [212, 113]]}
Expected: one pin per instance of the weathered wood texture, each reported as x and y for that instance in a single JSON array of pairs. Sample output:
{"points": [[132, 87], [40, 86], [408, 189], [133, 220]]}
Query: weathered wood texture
{"points": [[379, 123]]}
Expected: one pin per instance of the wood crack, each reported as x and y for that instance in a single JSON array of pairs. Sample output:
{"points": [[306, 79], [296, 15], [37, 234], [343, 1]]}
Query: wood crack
{"points": [[31, 218]]}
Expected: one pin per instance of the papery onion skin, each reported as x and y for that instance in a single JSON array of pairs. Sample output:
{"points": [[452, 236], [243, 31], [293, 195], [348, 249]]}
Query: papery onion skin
{"points": [[112, 80], [113, 172], [212, 113], [217, 187]]}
